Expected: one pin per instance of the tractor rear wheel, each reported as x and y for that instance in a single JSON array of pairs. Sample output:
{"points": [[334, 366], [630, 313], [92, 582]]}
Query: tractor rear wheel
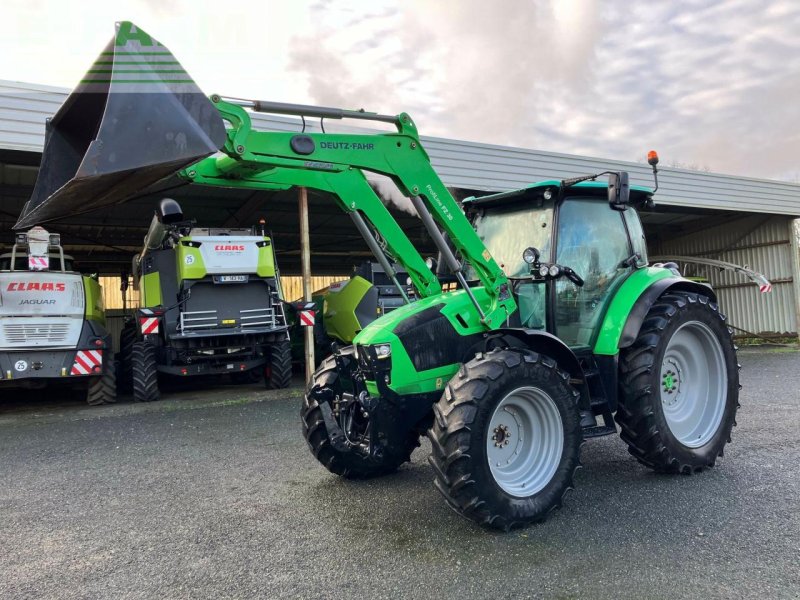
{"points": [[103, 389], [679, 385], [278, 373], [506, 438], [351, 465], [145, 375]]}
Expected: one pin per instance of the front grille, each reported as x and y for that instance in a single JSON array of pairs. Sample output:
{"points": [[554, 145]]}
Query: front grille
{"points": [[29, 333], [258, 317], [199, 319], [244, 306]]}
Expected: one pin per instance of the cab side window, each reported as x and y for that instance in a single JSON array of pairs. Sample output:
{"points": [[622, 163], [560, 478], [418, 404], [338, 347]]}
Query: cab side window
{"points": [[593, 241]]}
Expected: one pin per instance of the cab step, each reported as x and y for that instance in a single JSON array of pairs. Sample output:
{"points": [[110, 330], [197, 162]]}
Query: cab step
{"points": [[598, 431]]}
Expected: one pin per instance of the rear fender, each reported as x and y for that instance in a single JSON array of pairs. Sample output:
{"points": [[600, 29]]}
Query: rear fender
{"points": [[649, 296], [549, 345]]}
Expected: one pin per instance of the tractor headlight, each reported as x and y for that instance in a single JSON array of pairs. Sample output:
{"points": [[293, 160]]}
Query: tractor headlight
{"points": [[383, 351], [543, 271], [553, 271]]}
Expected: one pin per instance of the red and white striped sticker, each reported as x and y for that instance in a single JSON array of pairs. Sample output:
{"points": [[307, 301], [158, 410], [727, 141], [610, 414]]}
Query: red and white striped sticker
{"points": [[86, 361], [307, 318], [38, 263], [764, 288], [148, 325]]}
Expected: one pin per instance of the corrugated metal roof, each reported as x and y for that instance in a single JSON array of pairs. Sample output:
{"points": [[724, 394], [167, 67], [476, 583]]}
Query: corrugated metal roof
{"points": [[24, 108]]}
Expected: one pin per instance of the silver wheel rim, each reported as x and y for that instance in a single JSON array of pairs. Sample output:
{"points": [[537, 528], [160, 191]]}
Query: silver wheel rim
{"points": [[694, 384], [524, 441]]}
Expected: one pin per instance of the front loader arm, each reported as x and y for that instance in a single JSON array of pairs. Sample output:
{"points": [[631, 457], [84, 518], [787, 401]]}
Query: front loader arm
{"points": [[335, 164], [342, 183]]}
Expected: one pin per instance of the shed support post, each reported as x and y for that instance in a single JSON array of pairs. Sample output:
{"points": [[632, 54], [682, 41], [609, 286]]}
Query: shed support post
{"points": [[794, 240], [305, 265]]}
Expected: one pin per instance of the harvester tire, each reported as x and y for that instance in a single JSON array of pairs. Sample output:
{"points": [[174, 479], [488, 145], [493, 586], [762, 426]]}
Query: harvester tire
{"points": [[145, 375], [103, 389], [350, 465], [506, 438], [679, 385], [127, 337], [278, 374]]}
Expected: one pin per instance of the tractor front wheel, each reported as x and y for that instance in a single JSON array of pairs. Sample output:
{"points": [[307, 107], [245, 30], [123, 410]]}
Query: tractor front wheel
{"points": [[352, 465], [679, 386], [145, 375], [506, 438]]}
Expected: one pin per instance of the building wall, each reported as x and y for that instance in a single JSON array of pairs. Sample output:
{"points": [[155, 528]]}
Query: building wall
{"points": [[760, 242]]}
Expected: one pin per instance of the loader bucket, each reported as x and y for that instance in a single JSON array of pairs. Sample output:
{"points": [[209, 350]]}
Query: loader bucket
{"points": [[135, 118]]}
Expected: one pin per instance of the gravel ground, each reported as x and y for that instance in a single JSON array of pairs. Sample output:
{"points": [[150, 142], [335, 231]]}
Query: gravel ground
{"points": [[213, 494]]}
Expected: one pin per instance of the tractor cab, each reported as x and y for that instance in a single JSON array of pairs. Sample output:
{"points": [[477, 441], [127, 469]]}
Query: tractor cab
{"points": [[566, 249]]}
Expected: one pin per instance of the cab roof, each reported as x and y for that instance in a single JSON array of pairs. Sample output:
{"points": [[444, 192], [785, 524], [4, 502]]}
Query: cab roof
{"points": [[536, 190]]}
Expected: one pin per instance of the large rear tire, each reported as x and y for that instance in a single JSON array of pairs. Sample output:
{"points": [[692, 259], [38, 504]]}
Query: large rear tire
{"points": [[679, 386], [278, 374], [351, 465], [145, 375], [506, 438], [103, 389]]}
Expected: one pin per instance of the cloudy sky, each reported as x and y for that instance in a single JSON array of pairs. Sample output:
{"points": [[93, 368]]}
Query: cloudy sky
{"points": [[711, 85]]}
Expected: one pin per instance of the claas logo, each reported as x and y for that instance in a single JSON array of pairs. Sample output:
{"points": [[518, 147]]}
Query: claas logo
{"points": [[228, 248], [36, 286]]}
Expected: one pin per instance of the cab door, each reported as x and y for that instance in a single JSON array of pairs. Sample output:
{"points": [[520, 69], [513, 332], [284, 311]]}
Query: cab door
{"points": [[592, 240]]}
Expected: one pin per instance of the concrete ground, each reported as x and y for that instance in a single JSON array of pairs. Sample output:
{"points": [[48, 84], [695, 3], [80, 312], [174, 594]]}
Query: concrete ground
{"points": [[213, 494]]}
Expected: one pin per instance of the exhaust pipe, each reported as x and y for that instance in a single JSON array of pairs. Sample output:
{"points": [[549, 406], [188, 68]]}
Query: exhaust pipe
{"points": [[135, 118]]}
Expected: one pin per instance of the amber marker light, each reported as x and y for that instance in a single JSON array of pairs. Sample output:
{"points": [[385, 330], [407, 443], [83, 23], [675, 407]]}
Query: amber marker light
{"points": [[652, 158]]}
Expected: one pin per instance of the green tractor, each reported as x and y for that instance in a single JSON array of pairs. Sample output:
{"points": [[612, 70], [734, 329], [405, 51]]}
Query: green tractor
{"points": [[210, 304], [509, 373]]}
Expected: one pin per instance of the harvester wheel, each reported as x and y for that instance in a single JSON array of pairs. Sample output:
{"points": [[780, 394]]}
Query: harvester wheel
{"points": [[127, 337], [278, 374], [679, 385], [350, 465], [145, 375], [103, 389], [506, 438]]}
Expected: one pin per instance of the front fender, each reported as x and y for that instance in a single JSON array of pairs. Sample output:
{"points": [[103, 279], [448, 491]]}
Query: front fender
{"points": [[549, 345]]}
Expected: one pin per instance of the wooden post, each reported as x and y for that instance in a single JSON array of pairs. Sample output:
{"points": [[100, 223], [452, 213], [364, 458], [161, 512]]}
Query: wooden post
{"points": [[305, 265]]}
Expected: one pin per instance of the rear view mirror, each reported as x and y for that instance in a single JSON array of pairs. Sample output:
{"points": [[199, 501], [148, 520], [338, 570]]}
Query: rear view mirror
{"points": [[619, 191]]}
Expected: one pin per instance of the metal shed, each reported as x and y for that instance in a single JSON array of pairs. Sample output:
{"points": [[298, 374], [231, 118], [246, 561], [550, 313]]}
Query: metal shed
{"points": [[737, 219]]}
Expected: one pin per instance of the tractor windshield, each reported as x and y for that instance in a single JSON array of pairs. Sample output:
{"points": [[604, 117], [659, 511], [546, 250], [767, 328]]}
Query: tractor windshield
{"points": [[507, 230]]}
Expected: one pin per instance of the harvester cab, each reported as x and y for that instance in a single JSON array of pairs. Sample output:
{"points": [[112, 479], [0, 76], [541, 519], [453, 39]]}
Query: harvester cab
{"points": [[53, 321], [210, 303], [504, 373]]}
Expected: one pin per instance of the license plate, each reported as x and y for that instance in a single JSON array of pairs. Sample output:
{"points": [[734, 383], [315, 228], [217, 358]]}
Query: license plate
{"points": [[230, 278]]}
